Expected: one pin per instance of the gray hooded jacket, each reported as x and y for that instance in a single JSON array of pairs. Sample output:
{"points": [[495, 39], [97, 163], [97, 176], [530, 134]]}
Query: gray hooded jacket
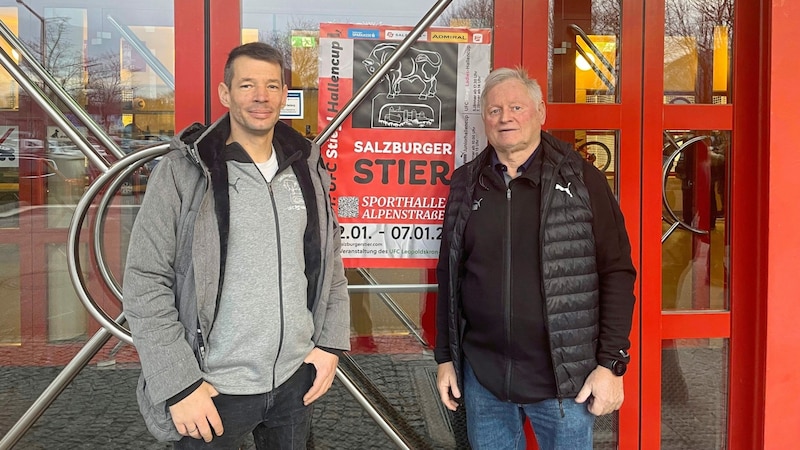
{"points": [[177, 257]]}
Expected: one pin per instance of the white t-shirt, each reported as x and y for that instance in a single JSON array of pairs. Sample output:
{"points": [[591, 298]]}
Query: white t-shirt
{"points": [[270, 167]]}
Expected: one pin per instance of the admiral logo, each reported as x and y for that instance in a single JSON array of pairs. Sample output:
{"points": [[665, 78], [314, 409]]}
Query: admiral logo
{"points": [[399, 35], [363, 34], [440, 36]]}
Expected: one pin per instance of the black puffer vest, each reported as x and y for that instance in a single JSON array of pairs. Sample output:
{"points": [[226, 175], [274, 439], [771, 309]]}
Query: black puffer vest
{"points": [[570, 283]]}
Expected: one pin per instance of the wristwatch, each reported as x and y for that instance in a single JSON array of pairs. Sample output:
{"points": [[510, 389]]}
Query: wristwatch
{"points": [[616, 367]]}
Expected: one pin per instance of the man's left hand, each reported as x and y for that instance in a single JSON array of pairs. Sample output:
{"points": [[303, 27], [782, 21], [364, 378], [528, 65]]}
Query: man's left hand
{"points": [[604, 391], [325, 363]]}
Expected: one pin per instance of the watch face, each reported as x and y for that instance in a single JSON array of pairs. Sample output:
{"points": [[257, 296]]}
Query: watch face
{"points": [[619, 368]]}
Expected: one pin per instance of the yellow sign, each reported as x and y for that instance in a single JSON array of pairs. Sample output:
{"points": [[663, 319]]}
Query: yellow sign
{"points": [[449, 36]]}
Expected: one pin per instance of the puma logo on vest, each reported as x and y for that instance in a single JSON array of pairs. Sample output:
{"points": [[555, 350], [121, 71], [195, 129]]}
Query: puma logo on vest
{"points": [[564, 189], [476, 204], [233, 185]]}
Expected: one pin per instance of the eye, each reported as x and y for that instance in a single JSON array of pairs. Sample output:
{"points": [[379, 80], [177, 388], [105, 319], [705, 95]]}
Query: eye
{"points": [[516, 108], [494, 111], [273, 88]]}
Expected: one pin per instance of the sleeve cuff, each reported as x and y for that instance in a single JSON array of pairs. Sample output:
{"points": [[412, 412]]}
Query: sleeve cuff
{"points": [[184, 393], [335, 351]]}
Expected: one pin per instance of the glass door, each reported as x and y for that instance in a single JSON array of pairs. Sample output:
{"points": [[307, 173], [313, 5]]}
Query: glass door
{"points": [[653, 83]]}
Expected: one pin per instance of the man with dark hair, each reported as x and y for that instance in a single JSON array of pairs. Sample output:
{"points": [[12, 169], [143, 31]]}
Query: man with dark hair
{"points": [[234, 286], [535, 282]]}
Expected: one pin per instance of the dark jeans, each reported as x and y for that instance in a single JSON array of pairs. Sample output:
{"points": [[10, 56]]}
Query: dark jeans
{"points": [[277, 419]]}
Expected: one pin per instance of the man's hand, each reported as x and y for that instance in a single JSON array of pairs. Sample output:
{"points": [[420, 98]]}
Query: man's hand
{"points": [[447, 384], [604, 391], [196, 414], [325, 363]]}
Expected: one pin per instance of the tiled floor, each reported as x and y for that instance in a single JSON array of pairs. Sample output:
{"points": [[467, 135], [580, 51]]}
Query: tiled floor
{"points": [[99, 411]]}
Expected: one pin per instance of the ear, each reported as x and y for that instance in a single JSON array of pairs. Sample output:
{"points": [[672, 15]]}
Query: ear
{"points": [[285, 97], [542, 112], [224, 94]]}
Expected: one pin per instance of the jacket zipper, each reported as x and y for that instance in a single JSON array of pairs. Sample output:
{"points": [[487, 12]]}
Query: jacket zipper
{"points": [[507, 287], [542, 227], [200, 339], [280, 278], [201, 344]]}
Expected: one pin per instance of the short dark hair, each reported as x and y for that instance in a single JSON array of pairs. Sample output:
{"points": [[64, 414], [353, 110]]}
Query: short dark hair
{"points": [[256, 50]]}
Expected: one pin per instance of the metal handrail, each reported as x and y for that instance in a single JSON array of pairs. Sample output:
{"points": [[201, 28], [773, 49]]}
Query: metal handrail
{"points": [[395, 308], [50, 108], [67, 99], [410, 287], [596, 51], [99, 225], [56, 387], [609, 84], [592, 46], [130, 163], [148, 56], [398, 53], [676, 222]]}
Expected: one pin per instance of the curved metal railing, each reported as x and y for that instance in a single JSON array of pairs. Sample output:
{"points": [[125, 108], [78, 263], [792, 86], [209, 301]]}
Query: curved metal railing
{"points": [[676, 221], [113, 175]]}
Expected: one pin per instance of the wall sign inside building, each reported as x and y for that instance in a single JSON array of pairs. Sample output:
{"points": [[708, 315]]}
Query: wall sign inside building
{"points": [[294, 105], [392, 159]]}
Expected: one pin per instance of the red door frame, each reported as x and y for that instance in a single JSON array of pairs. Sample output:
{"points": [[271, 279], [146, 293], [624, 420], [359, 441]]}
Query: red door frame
{"points": [[749, 233], [641, 116], [625, 117], [190, 62], [203, 40]]}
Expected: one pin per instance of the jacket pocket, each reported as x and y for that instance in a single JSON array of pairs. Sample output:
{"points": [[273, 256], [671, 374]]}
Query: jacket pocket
{"points": [[156, 415]]}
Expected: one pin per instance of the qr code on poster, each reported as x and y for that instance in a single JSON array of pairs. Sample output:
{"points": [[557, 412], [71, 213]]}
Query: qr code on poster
{"points": [[348, 207]]}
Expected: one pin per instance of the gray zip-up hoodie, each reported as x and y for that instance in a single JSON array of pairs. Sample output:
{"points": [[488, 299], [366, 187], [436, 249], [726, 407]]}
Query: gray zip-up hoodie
{"points": [[177, 256]]}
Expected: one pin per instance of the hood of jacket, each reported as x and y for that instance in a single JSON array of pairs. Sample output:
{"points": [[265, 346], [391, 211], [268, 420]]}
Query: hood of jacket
{"points": [[206, 147]]}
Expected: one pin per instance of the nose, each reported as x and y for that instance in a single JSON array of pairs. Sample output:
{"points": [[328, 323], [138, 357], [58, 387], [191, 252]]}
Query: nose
{"points": [[505, 115], [261, 94]]}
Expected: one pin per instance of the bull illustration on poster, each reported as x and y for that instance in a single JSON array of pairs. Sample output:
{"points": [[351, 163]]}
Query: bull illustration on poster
{"points": [[408, 95]]}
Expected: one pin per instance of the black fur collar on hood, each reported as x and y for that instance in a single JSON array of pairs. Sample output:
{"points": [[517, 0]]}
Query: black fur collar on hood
{"points": [[207, 144], [209, 141]]}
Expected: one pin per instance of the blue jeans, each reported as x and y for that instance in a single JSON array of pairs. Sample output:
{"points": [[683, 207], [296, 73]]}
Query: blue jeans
{"points": [[493, 424], [277, 419]]}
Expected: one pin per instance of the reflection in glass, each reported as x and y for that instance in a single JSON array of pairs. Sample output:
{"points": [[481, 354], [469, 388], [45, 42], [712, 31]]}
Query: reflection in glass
{"points": [[599, 147], [67, 318], [586, 69], [9, 89], [11, 317], [694, 394], [697, 47], [88, 51], [694, 255], [117, 67]]}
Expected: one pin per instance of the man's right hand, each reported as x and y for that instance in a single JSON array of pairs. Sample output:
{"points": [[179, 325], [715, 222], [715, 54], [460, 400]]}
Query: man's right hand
{"points": [[196, 414], [446, 382]]}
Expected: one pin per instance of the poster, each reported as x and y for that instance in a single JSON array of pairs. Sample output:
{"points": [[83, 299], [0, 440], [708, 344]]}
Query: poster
{"points": [[391, 160]]}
